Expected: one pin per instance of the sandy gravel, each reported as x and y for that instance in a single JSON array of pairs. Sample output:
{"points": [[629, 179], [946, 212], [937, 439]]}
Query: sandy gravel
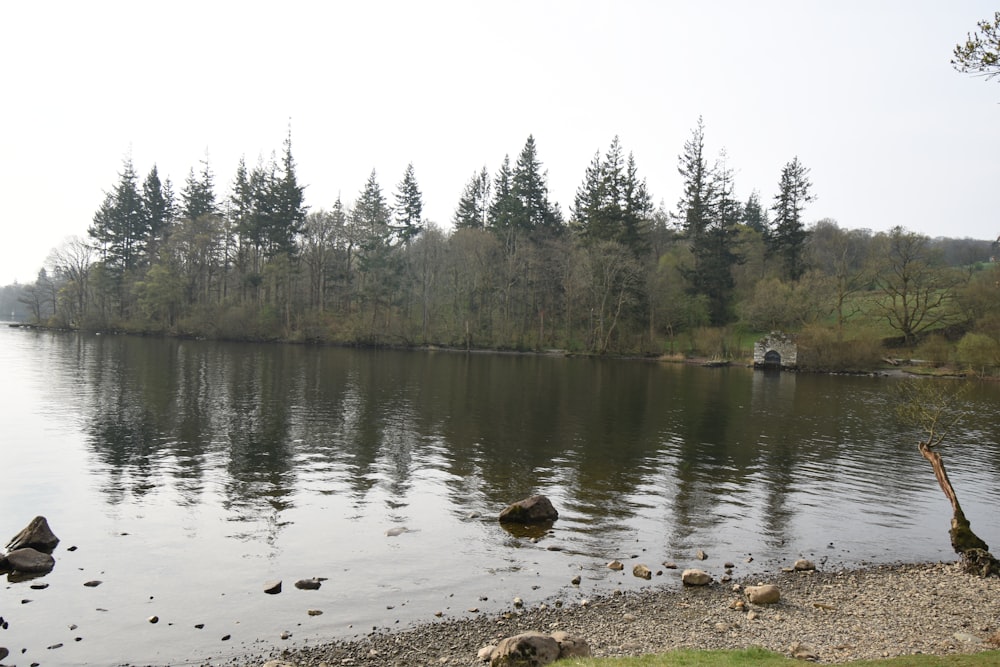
{"points": [[837, 616]]}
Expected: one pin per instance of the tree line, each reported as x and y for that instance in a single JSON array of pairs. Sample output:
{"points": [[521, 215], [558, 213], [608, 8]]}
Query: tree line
{"points": [[618, 274]]}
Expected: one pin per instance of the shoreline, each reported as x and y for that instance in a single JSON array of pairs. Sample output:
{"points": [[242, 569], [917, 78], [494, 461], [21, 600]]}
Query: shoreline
{"points": [[839, 615]]}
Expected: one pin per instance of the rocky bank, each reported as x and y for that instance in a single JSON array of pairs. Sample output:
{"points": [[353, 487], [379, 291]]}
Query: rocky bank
{"points": [[828, 617]]}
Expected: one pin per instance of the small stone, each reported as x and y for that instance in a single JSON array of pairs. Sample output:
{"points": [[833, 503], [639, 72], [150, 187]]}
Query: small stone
{"points": [[272, 587], [616, 565], [642, 572], [54, 646], [39, 587], [285, 634], [518, 602], [670, 565], [315, 612], [199, 626], [308, 584], [802, 652], [738, 605], [701, 555], [630, 617], [4, 652], [93, 583], [153, 619], [752, 616], [967, 638], [226, 638], [721, 627], [728, 565], [803, 565]]}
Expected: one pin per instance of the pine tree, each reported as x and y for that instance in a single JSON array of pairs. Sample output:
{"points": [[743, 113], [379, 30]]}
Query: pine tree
{"points": [[693, 206], [755, 215], [198, 195], [289, 210], [788, 233], [158, 206], [120, 224], [504, 208], [528, 186], [472, 211], [409, 208]]}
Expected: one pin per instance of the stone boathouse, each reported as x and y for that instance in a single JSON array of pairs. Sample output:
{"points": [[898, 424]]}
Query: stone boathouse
{"points": [[776, 350]]}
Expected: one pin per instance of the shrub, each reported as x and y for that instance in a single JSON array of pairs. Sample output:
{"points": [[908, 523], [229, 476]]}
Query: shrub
{"points": [[934, 349], [979, 351], [820, 350]]}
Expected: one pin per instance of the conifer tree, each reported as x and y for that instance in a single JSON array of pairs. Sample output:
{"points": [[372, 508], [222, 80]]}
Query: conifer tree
{"points": [[198, 195], [528, 186], [409, 208], [472, 211], [788, 234]]}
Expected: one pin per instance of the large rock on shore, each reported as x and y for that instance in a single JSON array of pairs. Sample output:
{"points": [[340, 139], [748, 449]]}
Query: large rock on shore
{"points": [[534, 649], [36, 535], [763, 594], [536, 509]]}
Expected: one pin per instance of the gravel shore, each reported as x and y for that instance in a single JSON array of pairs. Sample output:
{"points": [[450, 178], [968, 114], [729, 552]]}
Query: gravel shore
{"points": [[876, 612]]}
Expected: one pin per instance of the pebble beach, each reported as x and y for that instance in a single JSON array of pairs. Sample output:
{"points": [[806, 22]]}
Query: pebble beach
{"points": [[823, 616]]}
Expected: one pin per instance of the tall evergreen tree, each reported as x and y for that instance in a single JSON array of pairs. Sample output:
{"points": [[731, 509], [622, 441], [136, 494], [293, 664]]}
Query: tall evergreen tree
{"points": [[409, 208], [528, 186], [504, 208], [288, 200], [788, 233], [473, 207], [693, 206], [755, 215], [198, 194], [120, 224], [158, 204]]}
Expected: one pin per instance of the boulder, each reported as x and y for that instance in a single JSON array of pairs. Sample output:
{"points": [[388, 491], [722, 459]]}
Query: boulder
{"points": [[803, 565], [36, 535], [528, 649], [695, 577], [30, 560], [764, 594], [571, 646], [642, 572], [536, 509]]}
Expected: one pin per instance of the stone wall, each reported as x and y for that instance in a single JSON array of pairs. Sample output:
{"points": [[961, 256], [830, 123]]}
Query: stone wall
{"points": [[775, 350]]}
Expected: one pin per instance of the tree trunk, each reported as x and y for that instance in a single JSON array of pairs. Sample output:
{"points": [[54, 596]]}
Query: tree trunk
{"points": [[976, 557]]}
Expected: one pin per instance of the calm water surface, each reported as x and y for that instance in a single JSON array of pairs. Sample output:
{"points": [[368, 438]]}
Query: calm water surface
{"points": [[188, 474]]}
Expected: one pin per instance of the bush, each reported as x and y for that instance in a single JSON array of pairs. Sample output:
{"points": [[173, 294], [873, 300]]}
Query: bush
{"points": [[979, 351], [934, 349], [820, 350]]}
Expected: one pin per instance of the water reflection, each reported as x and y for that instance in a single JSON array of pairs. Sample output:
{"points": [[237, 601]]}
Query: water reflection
{"points": [[614, 443]]}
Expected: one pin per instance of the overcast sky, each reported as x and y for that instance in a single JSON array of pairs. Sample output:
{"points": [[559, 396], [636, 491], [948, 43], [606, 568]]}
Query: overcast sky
{"points": [[862, 92]]}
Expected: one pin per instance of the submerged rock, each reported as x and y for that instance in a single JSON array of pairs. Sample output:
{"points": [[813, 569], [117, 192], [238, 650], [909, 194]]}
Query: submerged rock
{"points": [[536, 509]]}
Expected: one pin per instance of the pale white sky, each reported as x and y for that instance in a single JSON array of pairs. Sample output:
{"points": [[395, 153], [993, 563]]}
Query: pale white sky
{"points": [[861, 91]]}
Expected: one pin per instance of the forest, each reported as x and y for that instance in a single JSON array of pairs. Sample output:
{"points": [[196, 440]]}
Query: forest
{"points": [[512, 271]]}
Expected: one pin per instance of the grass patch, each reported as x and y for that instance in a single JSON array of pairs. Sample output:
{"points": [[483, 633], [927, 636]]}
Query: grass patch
{"points": [[759, 657]]}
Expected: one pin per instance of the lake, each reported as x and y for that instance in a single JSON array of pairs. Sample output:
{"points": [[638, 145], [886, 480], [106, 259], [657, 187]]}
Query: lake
{"points": [[187, 474]]}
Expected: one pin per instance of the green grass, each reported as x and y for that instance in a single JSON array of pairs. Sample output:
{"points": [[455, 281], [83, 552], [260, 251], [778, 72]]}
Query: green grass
{"points": [[759, 657]]}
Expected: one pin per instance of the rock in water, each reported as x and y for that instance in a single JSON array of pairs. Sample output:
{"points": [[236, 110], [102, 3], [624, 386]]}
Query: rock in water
{"points": [[30, 560], [36, 535], [308, 584], [272, 587], [642, 572], [529, 649], [536, 509]]}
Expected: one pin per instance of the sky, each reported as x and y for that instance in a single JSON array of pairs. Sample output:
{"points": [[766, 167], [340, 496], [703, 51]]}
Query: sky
{"points": [[862, 92]]}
